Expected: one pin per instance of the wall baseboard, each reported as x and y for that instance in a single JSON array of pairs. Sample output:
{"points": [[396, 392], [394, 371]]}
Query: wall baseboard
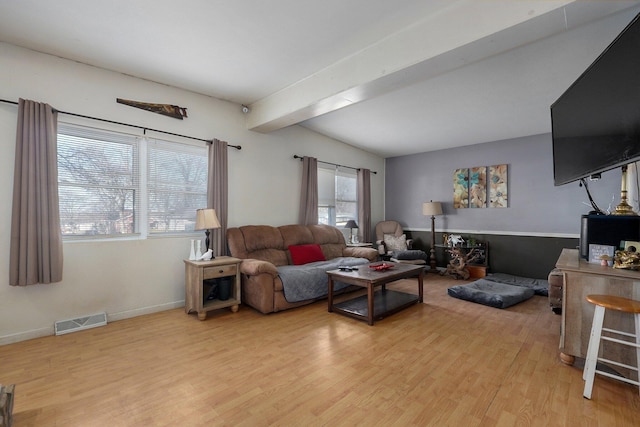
{"points": [[43, 332], [26, 335], [144, 310]]}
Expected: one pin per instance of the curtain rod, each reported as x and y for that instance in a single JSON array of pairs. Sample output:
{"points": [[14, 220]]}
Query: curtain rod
{"points": [[208, 141], [295, 156]]}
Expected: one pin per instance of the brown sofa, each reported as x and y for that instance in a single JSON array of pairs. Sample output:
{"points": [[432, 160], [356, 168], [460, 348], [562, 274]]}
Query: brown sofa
{"points": [[263, 248]]}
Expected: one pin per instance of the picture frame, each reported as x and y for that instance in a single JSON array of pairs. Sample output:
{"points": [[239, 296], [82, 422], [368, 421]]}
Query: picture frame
{"points": [[596, 251]]}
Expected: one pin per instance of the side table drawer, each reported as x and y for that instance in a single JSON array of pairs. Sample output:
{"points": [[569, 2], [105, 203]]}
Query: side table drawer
{"points": [[219, 271]]}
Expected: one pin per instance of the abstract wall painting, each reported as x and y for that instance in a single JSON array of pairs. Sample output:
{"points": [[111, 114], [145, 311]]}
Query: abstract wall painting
{"points": [[461, 188], [498, 186], [478, 187]]}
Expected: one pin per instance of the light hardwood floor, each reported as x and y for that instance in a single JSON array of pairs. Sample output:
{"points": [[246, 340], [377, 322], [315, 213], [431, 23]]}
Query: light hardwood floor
{"points": [[442, 363]]}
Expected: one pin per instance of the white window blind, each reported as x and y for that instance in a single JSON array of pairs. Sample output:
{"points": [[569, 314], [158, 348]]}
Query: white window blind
{"points": [[177, 184], [116, 184], [98, 182], [337, 199], [346, 196]]}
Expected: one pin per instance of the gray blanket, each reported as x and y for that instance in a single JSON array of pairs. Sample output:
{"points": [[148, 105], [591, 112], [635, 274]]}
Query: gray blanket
{"points": [[309, 281]]}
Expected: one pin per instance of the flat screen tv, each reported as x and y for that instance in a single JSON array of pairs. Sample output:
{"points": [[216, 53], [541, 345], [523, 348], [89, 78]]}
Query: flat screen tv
{"points": [[596, 122]]}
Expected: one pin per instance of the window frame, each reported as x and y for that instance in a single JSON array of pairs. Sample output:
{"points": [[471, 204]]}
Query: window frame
{"points": [[140, 166], [333, 208]]}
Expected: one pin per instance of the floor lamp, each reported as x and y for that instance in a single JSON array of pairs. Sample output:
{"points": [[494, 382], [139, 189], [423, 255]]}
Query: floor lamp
{"points": [[432, 208]]}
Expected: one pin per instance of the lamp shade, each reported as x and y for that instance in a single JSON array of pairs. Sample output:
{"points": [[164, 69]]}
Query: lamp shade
{"points": [[206, 219], [432, 208], [351, 224]]}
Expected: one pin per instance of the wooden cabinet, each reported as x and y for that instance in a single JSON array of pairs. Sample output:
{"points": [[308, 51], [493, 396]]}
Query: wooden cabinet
{"points": [[581, 279], [198, 273]]}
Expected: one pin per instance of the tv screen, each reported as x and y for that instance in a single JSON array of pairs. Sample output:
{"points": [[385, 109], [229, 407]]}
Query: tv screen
{"points": [[596, 122]]}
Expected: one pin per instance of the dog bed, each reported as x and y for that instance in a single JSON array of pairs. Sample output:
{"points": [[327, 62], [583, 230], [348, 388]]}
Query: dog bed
{"points": [[539, 286], [493, 294]]}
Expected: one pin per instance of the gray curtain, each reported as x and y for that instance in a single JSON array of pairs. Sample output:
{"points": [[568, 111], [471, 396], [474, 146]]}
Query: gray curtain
{"points": [[309, 192], [218, 194], [364, 205], [36, 239]]}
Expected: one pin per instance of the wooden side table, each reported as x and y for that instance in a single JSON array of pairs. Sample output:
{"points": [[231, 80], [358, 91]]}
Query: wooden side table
{"points": [[196, 272]]}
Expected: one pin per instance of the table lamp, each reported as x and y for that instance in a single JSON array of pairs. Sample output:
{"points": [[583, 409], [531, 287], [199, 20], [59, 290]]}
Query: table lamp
{"points": [[206, 219], [351, 224], [432, 208]]}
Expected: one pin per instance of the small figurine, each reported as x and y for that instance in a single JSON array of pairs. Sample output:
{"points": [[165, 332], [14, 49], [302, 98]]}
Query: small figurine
{"points": [[206, 256], [455, 239], [605, 260]]}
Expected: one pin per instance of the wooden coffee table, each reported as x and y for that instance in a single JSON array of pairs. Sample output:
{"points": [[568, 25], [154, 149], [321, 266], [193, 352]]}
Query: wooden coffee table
{"points": [[375, 305]]}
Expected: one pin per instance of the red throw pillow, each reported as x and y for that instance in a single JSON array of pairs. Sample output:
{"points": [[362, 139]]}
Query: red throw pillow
{"points": [[304, 254]]}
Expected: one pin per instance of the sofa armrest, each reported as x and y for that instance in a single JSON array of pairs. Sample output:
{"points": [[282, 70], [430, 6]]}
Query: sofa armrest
{"points": [[254, 267], [359, 252]]}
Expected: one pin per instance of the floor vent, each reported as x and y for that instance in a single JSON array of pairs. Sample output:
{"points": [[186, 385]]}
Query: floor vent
{"points": [[88, 322]]}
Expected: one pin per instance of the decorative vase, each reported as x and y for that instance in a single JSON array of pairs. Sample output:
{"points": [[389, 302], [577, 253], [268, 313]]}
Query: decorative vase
{"points": [[192, 254], [198, 250]]}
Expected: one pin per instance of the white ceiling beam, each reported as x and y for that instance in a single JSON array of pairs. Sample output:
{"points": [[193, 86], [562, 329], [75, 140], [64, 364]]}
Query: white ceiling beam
{"points": [[430, 47]]}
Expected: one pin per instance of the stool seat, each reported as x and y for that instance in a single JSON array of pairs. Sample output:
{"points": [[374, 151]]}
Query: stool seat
{"points": [[603, 303], [613, 302]]}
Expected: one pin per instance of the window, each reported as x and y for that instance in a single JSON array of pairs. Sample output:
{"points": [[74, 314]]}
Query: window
{"points": [[116, 184], [177, 186], [337, 200], [98, 182]]}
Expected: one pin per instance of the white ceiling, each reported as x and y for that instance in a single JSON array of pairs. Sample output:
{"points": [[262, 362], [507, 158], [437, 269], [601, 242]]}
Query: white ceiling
{"points": [[392, 77]]}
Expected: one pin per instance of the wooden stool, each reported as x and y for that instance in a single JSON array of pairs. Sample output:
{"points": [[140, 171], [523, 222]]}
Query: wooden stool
{"points": [[610, 302]]}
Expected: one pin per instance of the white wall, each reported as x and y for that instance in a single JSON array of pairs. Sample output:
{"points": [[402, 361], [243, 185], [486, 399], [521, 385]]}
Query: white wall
{"points": [[131, 277]]}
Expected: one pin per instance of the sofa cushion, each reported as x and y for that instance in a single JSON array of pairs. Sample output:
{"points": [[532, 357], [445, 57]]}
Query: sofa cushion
{"points": [[330, 239], [258, 241], [304, 254], [296, 234], [394, 243]]}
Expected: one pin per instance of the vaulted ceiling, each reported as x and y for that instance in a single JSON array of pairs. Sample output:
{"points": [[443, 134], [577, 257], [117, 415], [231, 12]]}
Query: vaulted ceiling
{"points": [[392, 77]]}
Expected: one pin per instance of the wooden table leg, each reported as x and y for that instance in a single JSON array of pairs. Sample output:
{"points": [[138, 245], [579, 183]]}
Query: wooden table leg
{"points": [[330, 296], [370, 303], [567, 359], [420, 286]]}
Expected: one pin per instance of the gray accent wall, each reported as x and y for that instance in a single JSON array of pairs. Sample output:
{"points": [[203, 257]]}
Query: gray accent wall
{"points": [[525, 238], [527, 256], [536, 206]]}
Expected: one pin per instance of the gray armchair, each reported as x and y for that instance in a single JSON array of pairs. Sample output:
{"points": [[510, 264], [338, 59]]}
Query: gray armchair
{"points": [[392, 242]]}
